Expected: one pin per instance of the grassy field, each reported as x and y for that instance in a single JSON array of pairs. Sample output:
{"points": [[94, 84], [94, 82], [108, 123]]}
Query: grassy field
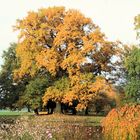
{"points": [[13, 113], [89, 120], [23, 125]]}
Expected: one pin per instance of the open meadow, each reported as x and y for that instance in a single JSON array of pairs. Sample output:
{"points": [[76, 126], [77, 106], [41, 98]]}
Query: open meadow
{"points": [[17, 126]]}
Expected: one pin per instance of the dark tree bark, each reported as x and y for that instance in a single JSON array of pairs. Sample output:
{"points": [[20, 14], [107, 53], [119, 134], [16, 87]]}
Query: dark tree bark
{"points": [[36, 111], [58, 108], [28, 108], [86, 111]]}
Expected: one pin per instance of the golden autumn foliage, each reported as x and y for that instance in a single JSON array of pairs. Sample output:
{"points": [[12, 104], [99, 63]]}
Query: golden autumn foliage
{"points": [[87, 89], [84, 88], [57, 39], [122, 123], [57, 91], [65, 43]]}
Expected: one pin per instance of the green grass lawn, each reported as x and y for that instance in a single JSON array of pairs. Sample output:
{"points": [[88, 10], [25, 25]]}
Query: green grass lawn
{"points": [[13, 113], [88, 120], [55, 118]]}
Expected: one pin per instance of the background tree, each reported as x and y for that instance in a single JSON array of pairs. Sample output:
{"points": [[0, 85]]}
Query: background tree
{"points": [[32, 95], [27, 92], [132, 64], [65, 44], [137, 25], [9, 90]]}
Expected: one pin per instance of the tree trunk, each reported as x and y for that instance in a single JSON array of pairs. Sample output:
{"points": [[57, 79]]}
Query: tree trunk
{"points": [[28, 108], [86, 111], [74, 111], [36, 111], [58, 108]]}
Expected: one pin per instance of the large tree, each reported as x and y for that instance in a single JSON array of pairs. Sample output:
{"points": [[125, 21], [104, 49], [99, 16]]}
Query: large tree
{"points": [[65, 44]]}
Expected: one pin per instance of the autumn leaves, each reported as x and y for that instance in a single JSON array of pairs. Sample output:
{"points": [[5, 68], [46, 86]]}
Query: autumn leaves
{"points": [[64, 43]]}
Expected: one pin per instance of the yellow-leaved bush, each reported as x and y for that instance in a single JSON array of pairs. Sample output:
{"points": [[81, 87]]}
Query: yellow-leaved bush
{"points": [[122, 123]]}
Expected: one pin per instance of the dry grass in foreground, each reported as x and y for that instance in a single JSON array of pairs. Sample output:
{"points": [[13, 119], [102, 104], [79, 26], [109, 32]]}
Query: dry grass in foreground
{"points": [[52, 127]]}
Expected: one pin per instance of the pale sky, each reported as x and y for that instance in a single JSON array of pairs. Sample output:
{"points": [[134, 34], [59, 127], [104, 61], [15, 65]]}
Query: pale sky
{"points": [[114, 17]]}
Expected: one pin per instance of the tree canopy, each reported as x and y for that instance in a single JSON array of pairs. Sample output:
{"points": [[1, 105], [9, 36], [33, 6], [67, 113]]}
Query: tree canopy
{"points": [[60, 40], [71, 48]]}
